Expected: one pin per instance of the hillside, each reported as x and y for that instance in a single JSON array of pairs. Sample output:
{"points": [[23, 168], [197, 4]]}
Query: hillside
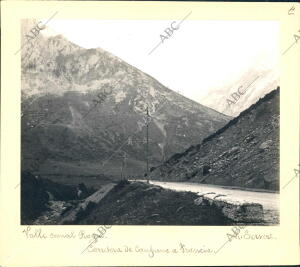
{"points": [[86, 110], [244, 153]]}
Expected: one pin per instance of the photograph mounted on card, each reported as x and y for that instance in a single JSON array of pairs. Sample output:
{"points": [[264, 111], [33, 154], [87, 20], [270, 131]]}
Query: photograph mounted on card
{"points": [[121, 147], [152, 132]]}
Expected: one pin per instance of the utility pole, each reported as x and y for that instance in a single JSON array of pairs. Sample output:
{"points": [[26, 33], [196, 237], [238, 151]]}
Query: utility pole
{"points": [[123, 164], [147, 148]]}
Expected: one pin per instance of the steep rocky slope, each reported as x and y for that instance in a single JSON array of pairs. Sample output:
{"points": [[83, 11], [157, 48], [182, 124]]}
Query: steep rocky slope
{"points": [[66, 115], [243, 153]]}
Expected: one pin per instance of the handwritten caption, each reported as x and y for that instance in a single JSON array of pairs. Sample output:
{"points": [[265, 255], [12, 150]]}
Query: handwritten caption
{"points": [[245, 235], [291, 10], [152, 251], [38, 233]]}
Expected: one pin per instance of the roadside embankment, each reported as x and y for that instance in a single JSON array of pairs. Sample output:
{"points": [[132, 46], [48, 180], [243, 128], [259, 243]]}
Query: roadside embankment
{"points": [[138, 203], [241, 212]]}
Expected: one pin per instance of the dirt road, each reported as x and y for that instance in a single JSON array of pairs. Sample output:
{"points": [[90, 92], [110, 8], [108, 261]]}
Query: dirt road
{"points": [[269, 200]]}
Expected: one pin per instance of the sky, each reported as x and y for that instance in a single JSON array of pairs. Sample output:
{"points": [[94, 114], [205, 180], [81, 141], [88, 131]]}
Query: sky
{"points": [[193, 59]]}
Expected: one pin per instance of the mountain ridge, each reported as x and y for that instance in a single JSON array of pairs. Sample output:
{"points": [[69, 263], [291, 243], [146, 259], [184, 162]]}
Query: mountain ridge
{"points": [[66, 81]]}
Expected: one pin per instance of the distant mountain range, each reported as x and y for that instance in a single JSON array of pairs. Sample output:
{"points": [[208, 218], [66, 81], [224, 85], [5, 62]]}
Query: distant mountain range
{"points": [[66, 117], [234, 98], [244, 153]]}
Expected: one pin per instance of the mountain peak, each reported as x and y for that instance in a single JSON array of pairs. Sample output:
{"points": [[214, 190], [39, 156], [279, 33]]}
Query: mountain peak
{"points": [[73, 80]]}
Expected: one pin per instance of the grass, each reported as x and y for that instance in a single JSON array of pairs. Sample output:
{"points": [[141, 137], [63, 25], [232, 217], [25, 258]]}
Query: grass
{"points": [[90, 172]]}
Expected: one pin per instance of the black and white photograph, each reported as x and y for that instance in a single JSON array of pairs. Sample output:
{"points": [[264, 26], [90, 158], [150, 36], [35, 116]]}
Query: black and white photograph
{"points": [[150, 122]]}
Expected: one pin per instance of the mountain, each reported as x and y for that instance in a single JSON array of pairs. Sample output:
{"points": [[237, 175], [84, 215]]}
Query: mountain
{"points": [[252, 85], [84, 111], [244, 153]]}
